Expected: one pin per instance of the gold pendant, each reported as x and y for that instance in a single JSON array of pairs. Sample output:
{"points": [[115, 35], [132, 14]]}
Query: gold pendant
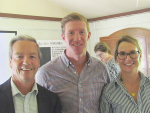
{"points": [[133, 94]]}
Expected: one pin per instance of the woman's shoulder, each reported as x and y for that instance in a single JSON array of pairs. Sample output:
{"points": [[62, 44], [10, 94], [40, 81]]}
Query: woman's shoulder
{"points": [[110, 87]]}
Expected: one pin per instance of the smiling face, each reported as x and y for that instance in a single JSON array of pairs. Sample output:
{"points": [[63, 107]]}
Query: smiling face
{"points": [[25, 61], [128, 65], [76, 36]]}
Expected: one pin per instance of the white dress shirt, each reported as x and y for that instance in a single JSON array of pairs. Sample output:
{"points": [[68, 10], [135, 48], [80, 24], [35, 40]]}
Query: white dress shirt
{"points": [[24, 103]]}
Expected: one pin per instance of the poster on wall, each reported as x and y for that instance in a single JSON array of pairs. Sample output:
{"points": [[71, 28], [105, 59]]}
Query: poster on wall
{"points": [[50, 49]]}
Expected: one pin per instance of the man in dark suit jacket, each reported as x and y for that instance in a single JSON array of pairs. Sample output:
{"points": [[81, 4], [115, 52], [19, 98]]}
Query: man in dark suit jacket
{"points": [[20, 92]]}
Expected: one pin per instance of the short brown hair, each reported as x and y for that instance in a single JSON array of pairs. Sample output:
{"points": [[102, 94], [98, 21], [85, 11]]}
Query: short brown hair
{"points": [[130, 39], [73, 17], [102, 46]]}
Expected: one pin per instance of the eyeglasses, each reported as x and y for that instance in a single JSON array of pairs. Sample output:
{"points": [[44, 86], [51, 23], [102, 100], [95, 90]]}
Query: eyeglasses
{"points": [[99, 55], [132, 54]]}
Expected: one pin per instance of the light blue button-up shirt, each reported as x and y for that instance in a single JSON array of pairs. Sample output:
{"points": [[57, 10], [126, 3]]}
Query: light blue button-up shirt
{"points": [[24, 103]]}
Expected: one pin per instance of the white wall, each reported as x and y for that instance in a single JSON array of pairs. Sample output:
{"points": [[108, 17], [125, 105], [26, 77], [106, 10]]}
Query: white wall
{"points": [[32, 7], [41, 30], [51, 30], [5, 69], [106, 27]]}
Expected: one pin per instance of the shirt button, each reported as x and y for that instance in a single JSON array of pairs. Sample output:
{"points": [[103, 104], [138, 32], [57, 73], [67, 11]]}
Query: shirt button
{"points": [[80, 99]]}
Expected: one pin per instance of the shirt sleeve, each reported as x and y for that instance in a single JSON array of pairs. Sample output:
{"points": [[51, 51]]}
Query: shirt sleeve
{"points": [[114, 70], [105, 105], [41, 78]]}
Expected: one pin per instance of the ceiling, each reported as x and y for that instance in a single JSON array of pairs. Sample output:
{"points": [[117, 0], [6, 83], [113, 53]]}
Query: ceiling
{"points": [[100, 8]]}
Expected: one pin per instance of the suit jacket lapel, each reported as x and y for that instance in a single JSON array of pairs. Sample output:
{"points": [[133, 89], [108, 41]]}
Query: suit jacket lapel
{"points": [[41, 100], [6, 97]]}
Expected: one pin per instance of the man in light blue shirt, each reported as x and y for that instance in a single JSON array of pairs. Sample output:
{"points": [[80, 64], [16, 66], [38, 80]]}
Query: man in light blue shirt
{"points": [[21, 94]]}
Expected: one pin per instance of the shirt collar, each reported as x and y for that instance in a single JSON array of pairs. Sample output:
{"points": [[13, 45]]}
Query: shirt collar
{"points": [[16, 91], [142, 82], [118, 79], [67, 62], [144, 79]]}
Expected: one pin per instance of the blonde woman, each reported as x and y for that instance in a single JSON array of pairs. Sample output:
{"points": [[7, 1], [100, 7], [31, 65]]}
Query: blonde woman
{"points": [[130, 92]]}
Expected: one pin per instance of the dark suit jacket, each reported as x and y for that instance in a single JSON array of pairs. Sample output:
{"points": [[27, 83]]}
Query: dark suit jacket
{"points": [[48, 102]]}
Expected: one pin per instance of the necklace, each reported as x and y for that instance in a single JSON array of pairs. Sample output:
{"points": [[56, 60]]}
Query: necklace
{"points": [[133, 93]]}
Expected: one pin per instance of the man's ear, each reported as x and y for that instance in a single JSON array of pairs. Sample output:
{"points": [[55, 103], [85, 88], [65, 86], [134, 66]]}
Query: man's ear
{"points": [[10, 63], [63, 37], [89, 35]]}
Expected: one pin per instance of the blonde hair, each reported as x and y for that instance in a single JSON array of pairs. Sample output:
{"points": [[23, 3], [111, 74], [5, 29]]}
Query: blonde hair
{"points": [[73, 17], [130, 39]]}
